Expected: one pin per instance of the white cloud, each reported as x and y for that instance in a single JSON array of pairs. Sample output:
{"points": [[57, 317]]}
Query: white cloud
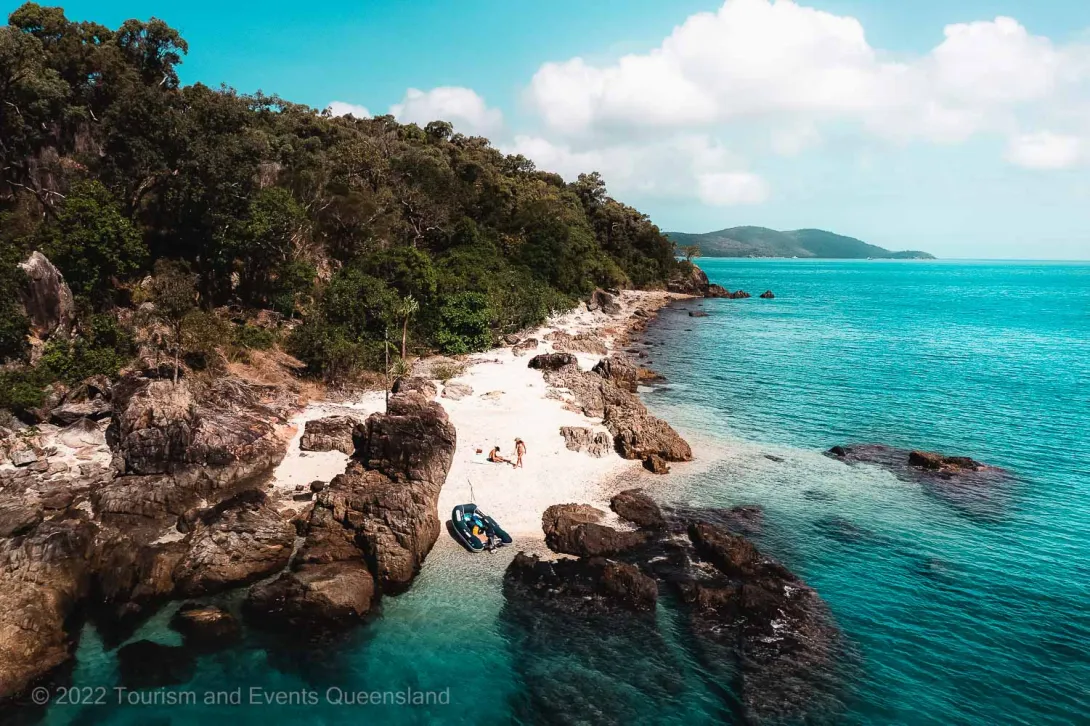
{"points": [[1046, 150], [340, 108], [462, 107], [728, 189], [778, 64]]}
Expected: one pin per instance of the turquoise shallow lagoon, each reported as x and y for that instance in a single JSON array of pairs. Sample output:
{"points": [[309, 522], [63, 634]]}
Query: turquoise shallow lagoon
{"points": [[955, 611]]}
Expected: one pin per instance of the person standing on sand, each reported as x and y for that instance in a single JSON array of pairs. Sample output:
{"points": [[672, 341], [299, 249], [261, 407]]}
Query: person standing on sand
{"points": [[520, 449]]}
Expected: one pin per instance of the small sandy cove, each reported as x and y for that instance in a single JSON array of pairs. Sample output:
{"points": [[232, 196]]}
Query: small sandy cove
{"points": [[508, 400]]}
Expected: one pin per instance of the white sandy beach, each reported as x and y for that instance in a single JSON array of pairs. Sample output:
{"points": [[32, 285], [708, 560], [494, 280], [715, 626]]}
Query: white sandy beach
{"points": [[508, 400]]}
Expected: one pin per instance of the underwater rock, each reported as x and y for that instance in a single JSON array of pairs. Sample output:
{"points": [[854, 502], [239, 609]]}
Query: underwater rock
{"points": [[145, 664], [586, 584]]}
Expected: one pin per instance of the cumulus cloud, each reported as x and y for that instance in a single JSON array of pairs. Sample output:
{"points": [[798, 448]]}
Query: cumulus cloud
{"points": [[1046, 150], [781, 64], [462, 107], [340, 108]]}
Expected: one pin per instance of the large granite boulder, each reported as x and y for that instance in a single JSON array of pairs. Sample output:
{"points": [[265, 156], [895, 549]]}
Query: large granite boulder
{"points": [[574, 529], [619, 371], [46, 298], [332, 433], [234, 543], [581, 438], [553, 361], [637, 507], [156, 425], [604, 301], [311, 597], [43, 576], [421, 385]]}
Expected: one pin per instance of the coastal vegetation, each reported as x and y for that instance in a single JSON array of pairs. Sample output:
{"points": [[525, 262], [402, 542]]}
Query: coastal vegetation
{"points": [[205, 207], [764, 242]]}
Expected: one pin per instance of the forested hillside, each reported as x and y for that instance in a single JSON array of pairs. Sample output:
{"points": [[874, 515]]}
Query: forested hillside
{"points": [[180, 201], [764, 242]]}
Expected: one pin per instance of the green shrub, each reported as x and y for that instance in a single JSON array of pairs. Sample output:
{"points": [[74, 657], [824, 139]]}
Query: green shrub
{"points": [[328, 351], [253, 337], [21, 389], [464, 324]]}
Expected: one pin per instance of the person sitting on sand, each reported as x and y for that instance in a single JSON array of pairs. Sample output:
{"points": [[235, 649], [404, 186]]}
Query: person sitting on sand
{"points": [[520, 450], [495, 458]]}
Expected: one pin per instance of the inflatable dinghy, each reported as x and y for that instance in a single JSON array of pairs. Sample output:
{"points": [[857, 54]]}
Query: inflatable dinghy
{"points": [[475, 530]]}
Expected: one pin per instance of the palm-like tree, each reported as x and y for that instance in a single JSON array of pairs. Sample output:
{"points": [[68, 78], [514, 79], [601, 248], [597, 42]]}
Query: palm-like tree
{"points": [[408, 307]]}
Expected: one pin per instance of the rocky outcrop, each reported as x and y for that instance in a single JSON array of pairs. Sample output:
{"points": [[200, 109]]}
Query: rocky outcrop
{"points": [[940, 462], [604, 301], [553, 361], [334, 433], [574, 529], [421, 385], [321, 596], [636, 433], [370, 529], [637, 507], [619, 371], [580, 586], [688, 280], [975, 489], [46, 298], [43, 576], [578, 343], [719, 291], [656, 464], [205, 627], [767, 295], [457, 391], [581, 438], [235, 543], [525, 346], [752, 624]]}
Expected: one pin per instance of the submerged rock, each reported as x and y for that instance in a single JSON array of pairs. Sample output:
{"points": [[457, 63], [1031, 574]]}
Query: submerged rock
{"points": [[145, 664], [767, 295], [317, 596], [591, 584]]}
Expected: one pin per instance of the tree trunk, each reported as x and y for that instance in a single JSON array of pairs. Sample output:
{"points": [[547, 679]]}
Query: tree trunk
{"points": [[404, 337]]}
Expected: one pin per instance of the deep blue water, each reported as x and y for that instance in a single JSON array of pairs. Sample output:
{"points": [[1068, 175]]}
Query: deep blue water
{"points": [[955, 611]]}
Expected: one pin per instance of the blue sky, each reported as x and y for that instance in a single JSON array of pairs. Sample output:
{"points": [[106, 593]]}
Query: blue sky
{"points": [[910, 124]]}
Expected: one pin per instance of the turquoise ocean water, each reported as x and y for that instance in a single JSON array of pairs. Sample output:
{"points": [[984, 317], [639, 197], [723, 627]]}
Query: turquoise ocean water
{"points": [[954, 611]]}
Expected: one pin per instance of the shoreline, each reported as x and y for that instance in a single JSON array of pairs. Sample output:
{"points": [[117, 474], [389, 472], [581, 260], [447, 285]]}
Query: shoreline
{"points": [[506, 399]]}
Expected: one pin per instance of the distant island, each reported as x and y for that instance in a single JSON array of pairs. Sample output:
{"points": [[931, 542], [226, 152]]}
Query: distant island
{"points": [[764, 242]]}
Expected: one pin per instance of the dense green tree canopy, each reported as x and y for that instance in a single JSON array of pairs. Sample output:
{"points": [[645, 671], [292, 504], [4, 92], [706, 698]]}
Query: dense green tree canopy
{"points": [[111, 165]]}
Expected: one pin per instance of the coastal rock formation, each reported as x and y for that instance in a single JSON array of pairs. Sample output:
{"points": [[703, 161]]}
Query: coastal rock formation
{"points": [[767, 295], [46, 298], [525, 346], [689, 280], [205, 626], [619, 371], [719, 291], [574, 529], [330, 595], [636, 433], [421, 385], [578, 343], [638, 508], [234, 543], [974, 488], [334, 433], [145, 664], [581, 438], [576, 586], [553, 361], [370, 529], [656, 464], [747, 618], [604, 301], [43, 576]]}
